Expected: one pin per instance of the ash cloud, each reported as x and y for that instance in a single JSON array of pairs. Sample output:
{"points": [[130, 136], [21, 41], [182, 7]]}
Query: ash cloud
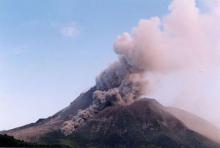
{"points": [[184, 43]]}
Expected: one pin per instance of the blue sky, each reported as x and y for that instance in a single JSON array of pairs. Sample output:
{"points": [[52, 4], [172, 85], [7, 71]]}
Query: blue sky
{"points": [[51, 50]]}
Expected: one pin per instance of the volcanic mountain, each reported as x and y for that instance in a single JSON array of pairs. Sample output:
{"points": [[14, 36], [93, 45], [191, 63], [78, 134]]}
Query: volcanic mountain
{"points": [[143, 123], [114, 112]]}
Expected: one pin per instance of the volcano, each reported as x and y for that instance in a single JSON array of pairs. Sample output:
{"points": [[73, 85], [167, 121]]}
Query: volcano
{"points": [[143, 123]]}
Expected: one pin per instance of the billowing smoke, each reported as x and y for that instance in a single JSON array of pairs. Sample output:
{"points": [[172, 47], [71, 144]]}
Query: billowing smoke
{"points": [[181, 45]]}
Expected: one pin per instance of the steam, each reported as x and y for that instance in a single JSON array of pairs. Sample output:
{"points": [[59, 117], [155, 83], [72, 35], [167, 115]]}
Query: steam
{"points": [[183, 44]]}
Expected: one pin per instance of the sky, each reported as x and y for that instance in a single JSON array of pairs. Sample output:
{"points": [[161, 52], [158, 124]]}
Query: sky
{"points": [[52, 50]]}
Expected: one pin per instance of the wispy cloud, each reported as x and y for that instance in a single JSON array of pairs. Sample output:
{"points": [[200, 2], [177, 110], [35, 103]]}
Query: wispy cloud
{"points": [[19, 50], [70, 30]]}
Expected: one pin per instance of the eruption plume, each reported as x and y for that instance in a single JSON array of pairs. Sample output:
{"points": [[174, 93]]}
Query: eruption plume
{"points": [[184, 42]]}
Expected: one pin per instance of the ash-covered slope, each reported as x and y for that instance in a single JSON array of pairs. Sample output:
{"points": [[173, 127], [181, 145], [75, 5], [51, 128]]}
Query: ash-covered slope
{"points": [[196, 123], [144, 123], [34, 131]]}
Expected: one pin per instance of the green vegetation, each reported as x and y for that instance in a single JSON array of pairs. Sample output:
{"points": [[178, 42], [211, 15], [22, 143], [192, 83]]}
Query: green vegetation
{"points": [[9, 141]]}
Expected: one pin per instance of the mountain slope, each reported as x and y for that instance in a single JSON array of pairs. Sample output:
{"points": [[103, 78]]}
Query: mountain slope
{"points": [[146, 120], [141, 124], [196, 123], [34, 131]]}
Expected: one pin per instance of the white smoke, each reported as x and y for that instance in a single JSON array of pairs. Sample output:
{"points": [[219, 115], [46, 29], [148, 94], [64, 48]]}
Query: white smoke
{"points": [[179, 52]]}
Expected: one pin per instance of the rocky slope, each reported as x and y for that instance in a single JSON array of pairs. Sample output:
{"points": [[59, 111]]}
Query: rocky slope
{"points": [[34, 131], [196, 123], [142, 123]]}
